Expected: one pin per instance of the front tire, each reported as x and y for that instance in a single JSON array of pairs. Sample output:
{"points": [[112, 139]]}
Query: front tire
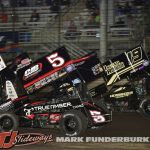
{"points": [[145, 108], [8, 122], [73, 123]]}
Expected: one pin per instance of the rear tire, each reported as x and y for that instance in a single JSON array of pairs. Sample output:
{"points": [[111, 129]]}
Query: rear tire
{"points": [[8, 122], [73, 123], [145, 108]]}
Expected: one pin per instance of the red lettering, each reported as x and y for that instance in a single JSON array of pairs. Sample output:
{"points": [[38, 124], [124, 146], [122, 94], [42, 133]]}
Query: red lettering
{"points": [[3, 137]]}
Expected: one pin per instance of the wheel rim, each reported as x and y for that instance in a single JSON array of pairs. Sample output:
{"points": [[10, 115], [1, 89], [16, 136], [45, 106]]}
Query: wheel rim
{"points": [[6, 123], [71, 125], [147, 108]]}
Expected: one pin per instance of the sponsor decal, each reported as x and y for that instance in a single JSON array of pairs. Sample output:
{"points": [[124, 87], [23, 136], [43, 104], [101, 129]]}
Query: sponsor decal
{"points": [[78, 106], [25, 62], [55, 117], [97, 69], [32, 71], [46, 107], [70, 68], [46, 80], [113, 67], [121, 95], [10, 139], [10, 90]]}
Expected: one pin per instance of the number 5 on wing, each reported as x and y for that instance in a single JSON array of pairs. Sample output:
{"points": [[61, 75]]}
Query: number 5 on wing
{"points": [[55, 60]]}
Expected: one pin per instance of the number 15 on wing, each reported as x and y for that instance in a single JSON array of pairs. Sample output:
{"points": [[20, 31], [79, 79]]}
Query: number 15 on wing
{"points": [[135, 55]]}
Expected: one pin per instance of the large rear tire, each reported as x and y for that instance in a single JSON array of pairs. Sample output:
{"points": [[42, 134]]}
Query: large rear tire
{"points": [[73, 123], [8, 122], [145, 108]]}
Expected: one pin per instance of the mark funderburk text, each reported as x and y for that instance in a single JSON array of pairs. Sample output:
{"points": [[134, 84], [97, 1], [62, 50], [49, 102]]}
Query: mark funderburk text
{"points": [[104, 139]]}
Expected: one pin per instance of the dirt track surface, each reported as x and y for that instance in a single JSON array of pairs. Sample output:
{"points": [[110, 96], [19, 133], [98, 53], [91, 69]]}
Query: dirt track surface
{"points": [[123, 125]]}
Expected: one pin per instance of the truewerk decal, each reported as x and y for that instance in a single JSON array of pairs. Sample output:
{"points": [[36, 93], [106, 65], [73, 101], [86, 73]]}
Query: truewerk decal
{"points": [[10, 139]]}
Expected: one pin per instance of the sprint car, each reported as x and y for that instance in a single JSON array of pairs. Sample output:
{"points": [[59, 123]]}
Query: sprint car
{"points": [[127, 82], [67, 103]]}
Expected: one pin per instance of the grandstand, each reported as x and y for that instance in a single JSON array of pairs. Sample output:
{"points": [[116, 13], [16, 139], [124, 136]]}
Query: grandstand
{"points": [[125, 29]]}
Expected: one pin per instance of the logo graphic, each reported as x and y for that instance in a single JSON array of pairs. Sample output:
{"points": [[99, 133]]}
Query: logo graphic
{"points": [[10, 90], [10, 139], [32, 71]]}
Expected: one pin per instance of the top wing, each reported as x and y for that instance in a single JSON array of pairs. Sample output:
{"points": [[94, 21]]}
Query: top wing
{"points": [[121, 66], [44, 70]]}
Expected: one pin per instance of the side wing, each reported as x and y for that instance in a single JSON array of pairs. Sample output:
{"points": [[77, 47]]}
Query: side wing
{"points": [[89, 67]]}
